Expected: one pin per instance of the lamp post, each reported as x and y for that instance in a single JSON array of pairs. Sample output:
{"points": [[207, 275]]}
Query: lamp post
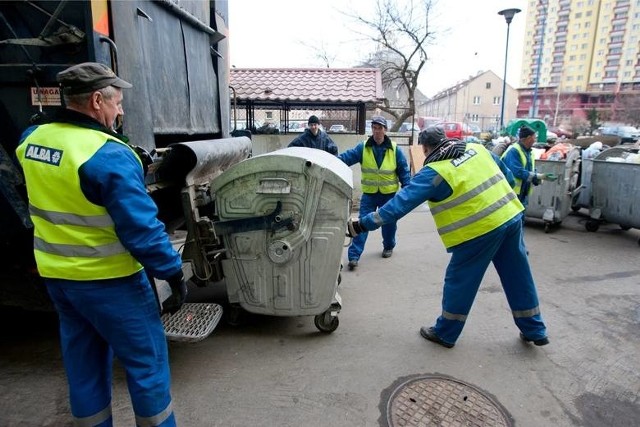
{"points": [[508, 16]]}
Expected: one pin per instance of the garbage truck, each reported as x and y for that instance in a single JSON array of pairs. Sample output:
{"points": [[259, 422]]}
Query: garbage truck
{"points": [[177, 114]]}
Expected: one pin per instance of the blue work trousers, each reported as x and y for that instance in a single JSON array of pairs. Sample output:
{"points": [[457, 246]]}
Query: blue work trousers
{"points": [[469, 262], [369, 203], [105, 317]]}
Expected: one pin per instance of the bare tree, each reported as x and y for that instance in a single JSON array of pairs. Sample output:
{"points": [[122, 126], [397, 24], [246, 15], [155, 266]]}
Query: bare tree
{"points": [[322, 52], [401, 32]]}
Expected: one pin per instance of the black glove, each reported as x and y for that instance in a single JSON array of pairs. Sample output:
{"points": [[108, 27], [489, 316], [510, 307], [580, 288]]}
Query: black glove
{"points": [[178, 294], [354, 227]]}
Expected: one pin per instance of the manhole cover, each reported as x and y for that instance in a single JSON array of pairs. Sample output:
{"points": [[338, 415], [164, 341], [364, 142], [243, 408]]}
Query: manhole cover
{"points": [[441, 401]]}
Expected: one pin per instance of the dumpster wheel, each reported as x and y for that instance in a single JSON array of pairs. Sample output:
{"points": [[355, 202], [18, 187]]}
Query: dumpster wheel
{"points": [[326, 322], [592, 225]]}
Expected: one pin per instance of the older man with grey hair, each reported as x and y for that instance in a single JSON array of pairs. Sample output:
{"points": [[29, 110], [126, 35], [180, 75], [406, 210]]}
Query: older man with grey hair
{"points": [[95, 231]]}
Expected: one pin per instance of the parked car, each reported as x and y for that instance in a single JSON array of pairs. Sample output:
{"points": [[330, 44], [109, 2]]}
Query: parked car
{"points": [[425, 122], [337, 128], [627, 134], [456, 130], [475, 130], [297, 126], [561, 132], [406, 127]]}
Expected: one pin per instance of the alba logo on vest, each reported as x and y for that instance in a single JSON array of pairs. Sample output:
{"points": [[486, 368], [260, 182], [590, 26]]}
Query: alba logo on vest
{"points": [[466, 156], [43, 154]]}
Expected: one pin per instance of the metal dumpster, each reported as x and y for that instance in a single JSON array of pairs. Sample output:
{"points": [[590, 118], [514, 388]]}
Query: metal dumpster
{"points": [[283, 218], [615, 186], [551, 201], [582, 197]]}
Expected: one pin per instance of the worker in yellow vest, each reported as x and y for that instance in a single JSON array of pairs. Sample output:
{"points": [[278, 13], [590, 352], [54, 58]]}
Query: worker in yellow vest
{"points": [[478, 218], [384, 170], [95, 227], [520, 160]]}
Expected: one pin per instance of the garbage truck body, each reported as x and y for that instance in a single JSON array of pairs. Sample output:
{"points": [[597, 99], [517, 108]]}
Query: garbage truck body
{"points": [[176, 55]]}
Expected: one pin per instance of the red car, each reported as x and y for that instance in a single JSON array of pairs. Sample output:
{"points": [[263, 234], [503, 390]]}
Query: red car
{"points": [[456, 130]]}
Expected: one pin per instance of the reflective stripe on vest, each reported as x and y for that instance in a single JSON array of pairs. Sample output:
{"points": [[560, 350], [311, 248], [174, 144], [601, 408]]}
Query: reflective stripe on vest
{"points": [[384, 178], [74, 238], [523, 160], [482, 199]]}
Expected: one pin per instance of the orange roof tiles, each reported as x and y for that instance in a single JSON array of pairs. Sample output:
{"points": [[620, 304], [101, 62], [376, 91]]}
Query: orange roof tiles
{"points": [[308, 84]]}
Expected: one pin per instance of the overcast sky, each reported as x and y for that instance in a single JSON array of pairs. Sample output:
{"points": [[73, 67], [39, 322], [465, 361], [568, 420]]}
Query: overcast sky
{"points": [[469, 36]]}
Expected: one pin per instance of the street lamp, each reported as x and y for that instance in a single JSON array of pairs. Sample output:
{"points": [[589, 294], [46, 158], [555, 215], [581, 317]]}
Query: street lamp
{"points": [[508, 16]]}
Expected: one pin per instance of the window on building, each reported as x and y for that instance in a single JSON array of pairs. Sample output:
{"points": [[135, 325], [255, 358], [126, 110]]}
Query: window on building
{"points": [[628, 62], [474, 117], [578, 15], [608, 74], [579, 78], [496, 100], [587, 25], [597, 74], [572, 57], [487, 85], [587, 13], [268, 114], [583, 57], [476, 100], [627, 73]]}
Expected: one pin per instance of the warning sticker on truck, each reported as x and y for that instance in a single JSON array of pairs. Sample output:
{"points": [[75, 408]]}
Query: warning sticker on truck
{"points": [[45, 96]]}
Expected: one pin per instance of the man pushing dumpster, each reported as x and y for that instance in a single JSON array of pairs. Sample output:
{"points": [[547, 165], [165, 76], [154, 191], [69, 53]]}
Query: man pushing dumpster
{"points": [[477, 215], [521, 162]]}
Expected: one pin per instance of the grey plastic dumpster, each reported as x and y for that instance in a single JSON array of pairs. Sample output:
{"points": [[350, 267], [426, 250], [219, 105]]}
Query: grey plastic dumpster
{"points": [[551, 201], [283, 219], [615, 186]]}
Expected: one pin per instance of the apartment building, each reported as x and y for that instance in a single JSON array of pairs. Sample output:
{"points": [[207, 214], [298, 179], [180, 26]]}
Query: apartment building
{"points": [[579, 55], [476, 100]]}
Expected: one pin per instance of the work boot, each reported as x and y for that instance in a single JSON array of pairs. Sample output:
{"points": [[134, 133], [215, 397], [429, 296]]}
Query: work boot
{"points": [[538, 342], [353, 263], [387, 253], [429, 333]]}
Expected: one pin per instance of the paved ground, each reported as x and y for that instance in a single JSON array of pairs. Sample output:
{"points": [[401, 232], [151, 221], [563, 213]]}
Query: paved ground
{"points": [[283, 372]]}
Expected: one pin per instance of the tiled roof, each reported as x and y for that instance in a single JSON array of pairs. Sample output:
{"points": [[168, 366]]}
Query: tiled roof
{"points": [[308, 84]]}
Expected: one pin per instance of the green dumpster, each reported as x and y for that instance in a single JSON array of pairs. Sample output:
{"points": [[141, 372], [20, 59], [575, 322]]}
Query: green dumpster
{"points": [[536, 124]]}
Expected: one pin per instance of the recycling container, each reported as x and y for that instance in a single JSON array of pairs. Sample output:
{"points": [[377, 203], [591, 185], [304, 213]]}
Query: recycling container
{"points": [[283, 218], [551, 201], [615, 185]]}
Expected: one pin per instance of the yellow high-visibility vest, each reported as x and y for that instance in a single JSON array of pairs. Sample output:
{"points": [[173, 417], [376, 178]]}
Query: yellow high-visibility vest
{"points": [[482, 199], [523, 160], [74, 238], [384, 178]]}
